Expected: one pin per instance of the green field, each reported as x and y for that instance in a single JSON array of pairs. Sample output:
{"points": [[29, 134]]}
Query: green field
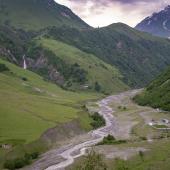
{"points": [[106, 75], [30, 107]]}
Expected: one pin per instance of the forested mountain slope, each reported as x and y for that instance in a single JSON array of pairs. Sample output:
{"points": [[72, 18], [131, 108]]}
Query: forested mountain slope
{"points": [[37, 14], [157, 94], [139, 56]]}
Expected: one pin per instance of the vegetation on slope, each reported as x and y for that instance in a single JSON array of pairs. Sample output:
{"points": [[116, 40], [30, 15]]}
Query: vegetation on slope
{"points": [[111, 140], [98, 121], [139, 56], [3, 67], [36, 101], [92, 161], [62, 64], [29, 106], [13, 43], [157, 94], [37, 14], [82, 68]]}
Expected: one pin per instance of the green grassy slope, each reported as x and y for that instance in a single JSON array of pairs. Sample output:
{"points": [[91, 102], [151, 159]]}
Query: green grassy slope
{"points": [[37, 14], [139, 56], [107, 76], [157, 94], [30, 107]]}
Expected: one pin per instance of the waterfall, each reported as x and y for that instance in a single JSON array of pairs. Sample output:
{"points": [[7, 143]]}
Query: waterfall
{"points": [[24, 64]]}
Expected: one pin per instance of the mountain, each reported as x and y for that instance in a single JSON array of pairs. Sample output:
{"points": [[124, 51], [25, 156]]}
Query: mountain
{"points": [[37, 14], [157, 94], [158, 24], [138, 56], [126, 55], [78, 68]]}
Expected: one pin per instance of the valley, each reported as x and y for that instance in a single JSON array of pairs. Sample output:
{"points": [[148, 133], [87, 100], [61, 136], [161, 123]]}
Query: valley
{"points": [[30, 106], [74, 97], [130, 124]]}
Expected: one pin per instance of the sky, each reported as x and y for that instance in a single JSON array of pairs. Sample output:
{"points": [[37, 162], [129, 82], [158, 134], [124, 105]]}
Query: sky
{"points": [[104, 12]]}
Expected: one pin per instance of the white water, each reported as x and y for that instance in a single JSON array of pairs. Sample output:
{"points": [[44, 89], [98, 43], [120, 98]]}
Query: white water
{"points": [[24, 64], [97, 136]]}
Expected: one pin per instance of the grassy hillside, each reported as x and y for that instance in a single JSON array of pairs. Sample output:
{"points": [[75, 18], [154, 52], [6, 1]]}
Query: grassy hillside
{"points": [[60, 63], [106, 76], [37, 14], [139, 56], [157, 94], [30, 105]]}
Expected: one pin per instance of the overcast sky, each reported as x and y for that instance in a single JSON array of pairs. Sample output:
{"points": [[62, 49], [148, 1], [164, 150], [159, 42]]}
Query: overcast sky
{"points": [[104, 12]]}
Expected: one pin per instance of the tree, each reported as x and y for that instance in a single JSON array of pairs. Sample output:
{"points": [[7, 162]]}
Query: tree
{"points": [[141, 154], [93, 161], [97, 86]]}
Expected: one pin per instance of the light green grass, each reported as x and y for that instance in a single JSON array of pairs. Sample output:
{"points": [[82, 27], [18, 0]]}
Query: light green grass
{"points": [[106, 75], [26, 113]]}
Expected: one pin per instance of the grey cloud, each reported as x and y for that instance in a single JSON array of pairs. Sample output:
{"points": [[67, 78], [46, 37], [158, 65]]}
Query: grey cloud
{"points": [[112, 1], [127, 11]]}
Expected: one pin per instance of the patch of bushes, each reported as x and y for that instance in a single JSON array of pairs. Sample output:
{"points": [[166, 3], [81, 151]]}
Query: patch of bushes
{"points": [[143, 138], [97, 87], [20, 162], [3, 67], [92, 161], [24, 79], [123, 108], [98, 120], [110, 140]]}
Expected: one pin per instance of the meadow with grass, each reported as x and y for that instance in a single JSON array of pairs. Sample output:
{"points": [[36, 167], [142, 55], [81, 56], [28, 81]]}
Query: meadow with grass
{"points": [[30, 106]]}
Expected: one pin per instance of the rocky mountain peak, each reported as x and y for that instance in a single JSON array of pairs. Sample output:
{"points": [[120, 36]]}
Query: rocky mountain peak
{"points": [[157, 24]]}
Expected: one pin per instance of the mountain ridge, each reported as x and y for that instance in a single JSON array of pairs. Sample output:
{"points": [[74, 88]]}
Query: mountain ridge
{"points": [[25, 14], [120, 46], [157, 24]]}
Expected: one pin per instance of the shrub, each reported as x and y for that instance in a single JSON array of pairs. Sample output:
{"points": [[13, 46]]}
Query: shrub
{"points": [[98, 121], [97, 87], [9, 165], [34, 155], [3, 67], [141, 154], [21, 162], [24, 79], [109, 140], [93, 161]]}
